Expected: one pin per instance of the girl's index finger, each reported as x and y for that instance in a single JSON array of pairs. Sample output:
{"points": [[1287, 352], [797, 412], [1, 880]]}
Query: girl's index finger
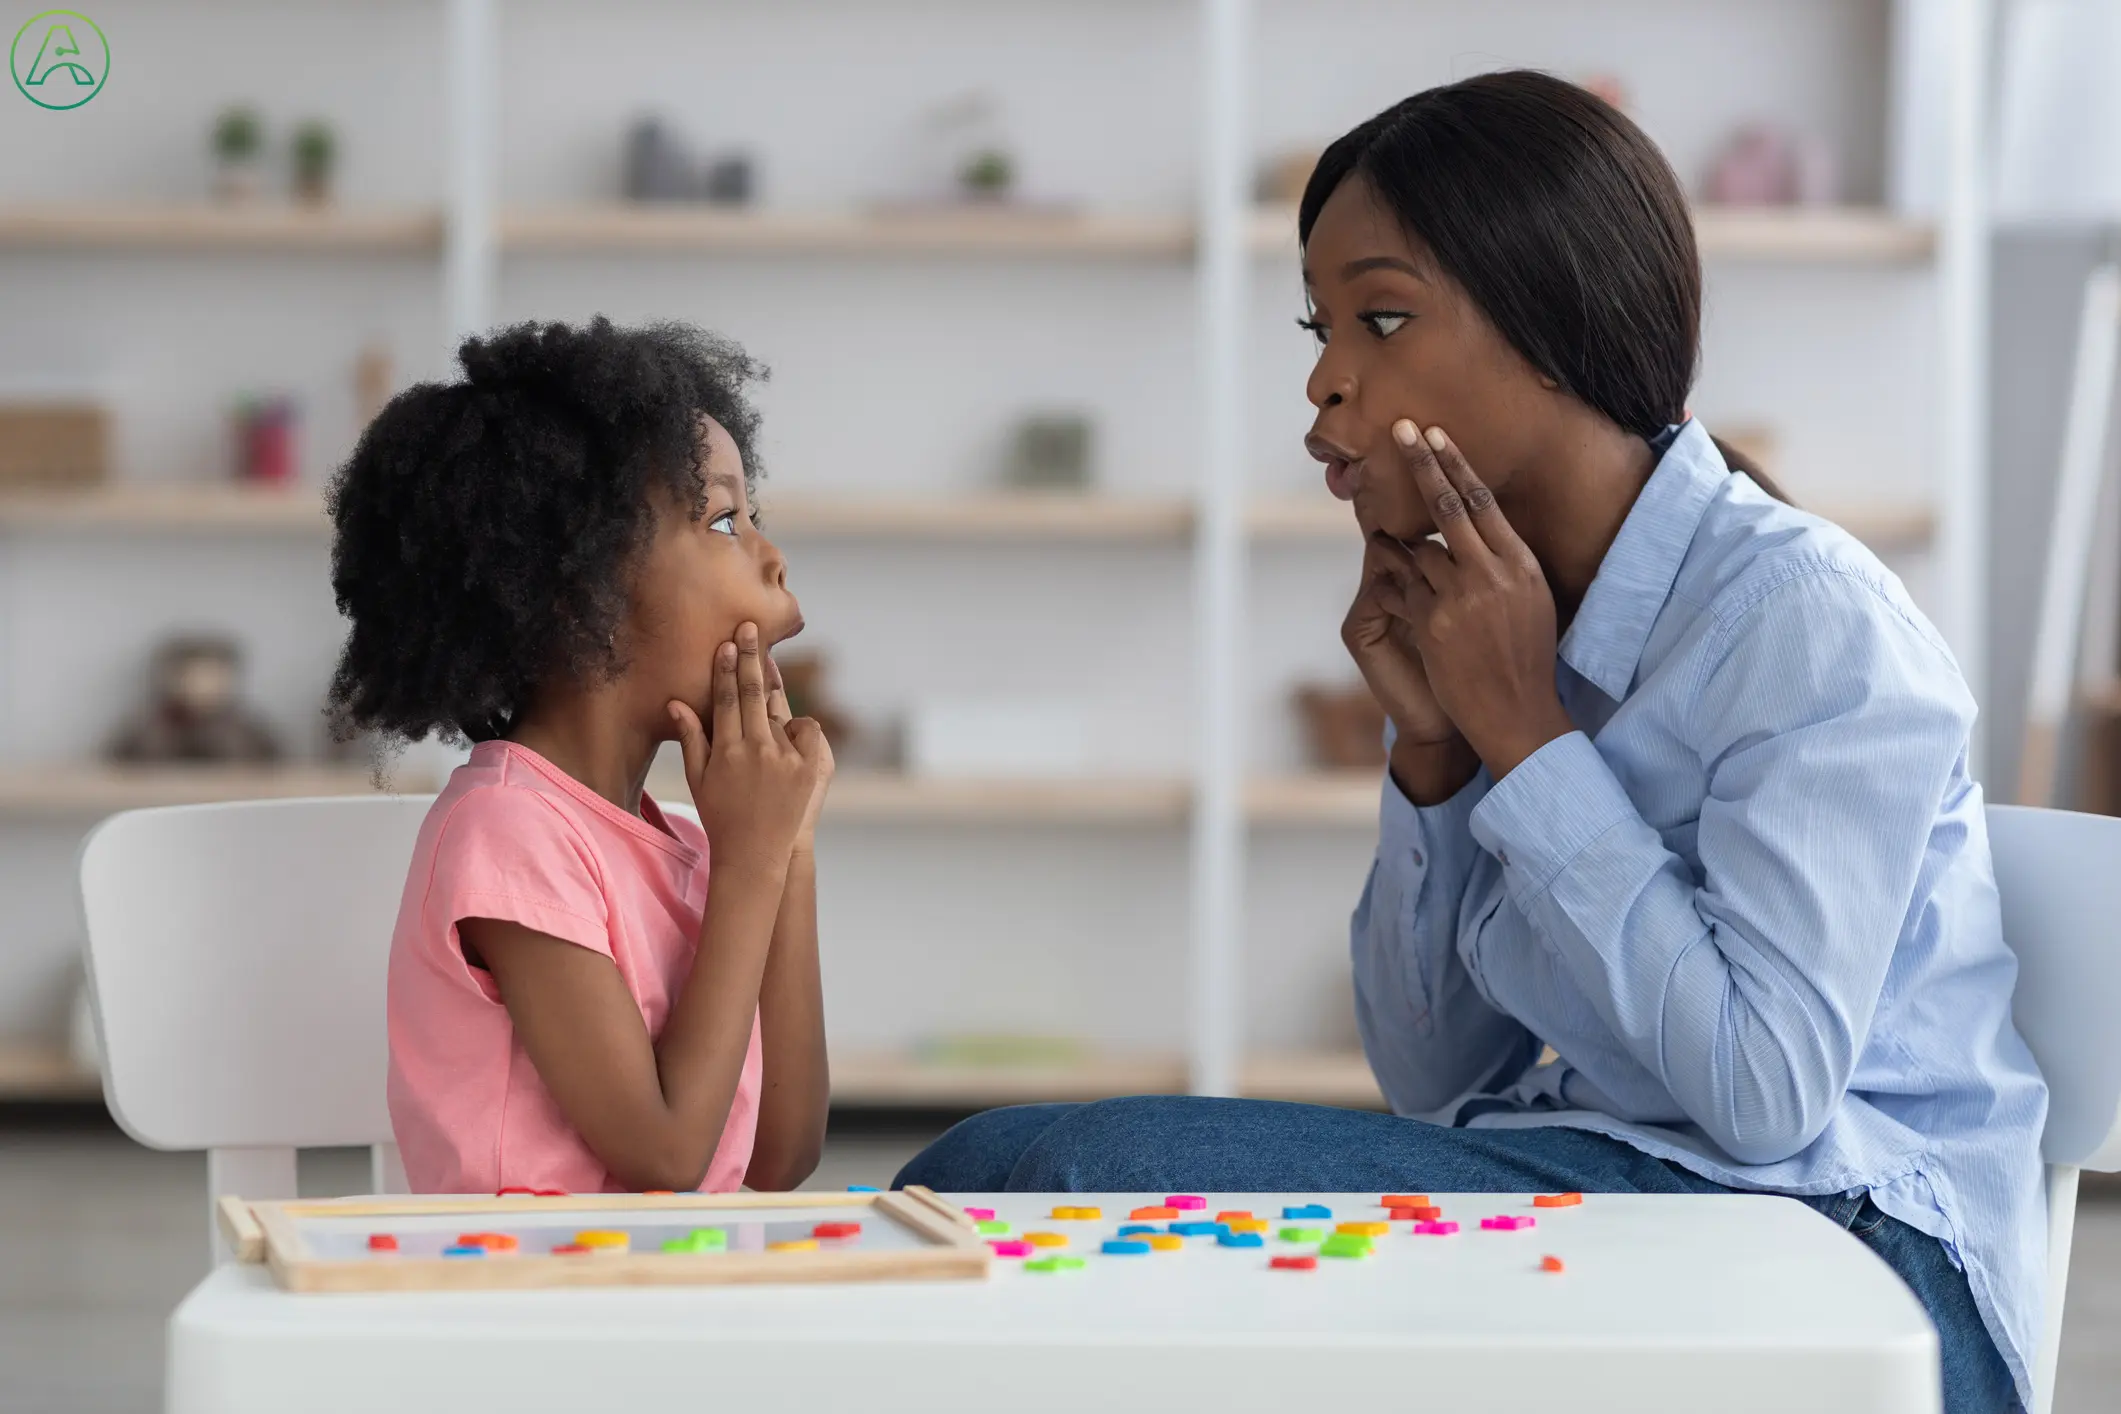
{"points": [[1495, 529], [728, 712], [751, 684], [1446, 506]]}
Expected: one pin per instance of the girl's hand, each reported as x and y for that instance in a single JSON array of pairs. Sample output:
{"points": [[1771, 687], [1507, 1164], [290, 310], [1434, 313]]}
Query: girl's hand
{"points": [[1480, 610], [809, 738], [753, 786]]}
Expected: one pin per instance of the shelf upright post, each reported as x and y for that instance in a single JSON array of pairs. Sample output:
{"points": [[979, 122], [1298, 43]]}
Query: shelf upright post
{"points": [[1218, 838], [1963, 259], [468, 242]]}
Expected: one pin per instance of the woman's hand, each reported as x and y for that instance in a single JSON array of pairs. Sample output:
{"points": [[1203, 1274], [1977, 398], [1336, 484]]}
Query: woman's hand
{"points": [[754, 786], [809, 738], [1382, 645], [1480, 611], [1430, 760]]}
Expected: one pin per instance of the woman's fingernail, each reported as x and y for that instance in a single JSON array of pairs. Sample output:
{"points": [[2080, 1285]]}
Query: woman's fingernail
{"points": [[1405, 433], [1437, 439]]}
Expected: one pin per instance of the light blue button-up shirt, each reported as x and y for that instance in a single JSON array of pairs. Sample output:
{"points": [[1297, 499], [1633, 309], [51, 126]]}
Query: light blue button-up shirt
{"points": [[1749, 902]]}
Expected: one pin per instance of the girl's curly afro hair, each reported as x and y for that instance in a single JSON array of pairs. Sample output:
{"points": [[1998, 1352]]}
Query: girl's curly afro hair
{"points": [[485, 529]]}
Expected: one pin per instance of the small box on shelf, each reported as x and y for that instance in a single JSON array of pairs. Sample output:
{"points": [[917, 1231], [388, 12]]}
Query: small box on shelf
{"points": [[52, 441]]}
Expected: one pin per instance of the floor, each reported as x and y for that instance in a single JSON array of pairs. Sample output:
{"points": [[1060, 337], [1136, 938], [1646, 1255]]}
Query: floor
{"points": [[102, 1237]]}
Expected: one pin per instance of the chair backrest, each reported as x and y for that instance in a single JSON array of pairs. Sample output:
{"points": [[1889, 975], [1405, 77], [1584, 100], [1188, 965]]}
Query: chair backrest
{"points": [[2059, 876], [236, 959]]}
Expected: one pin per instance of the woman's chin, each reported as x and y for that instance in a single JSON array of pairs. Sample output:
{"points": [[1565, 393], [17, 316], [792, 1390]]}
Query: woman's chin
{"points": [[1407, 529]]}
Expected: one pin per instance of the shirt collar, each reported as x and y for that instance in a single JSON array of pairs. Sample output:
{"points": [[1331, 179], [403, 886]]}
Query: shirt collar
{"points": [[1605, 641]]}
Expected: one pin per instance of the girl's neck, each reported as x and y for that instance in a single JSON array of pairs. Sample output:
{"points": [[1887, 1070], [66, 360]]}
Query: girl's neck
{"points": [[593, 738], [1575, 501]]}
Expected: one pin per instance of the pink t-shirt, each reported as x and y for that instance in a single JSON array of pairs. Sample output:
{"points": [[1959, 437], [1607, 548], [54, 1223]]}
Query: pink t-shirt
{"points": [[513, 837]]}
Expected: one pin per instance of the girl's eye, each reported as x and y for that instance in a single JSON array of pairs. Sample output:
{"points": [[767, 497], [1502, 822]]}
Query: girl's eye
{"points": [[725, 522], [1384, 323], [1315, 328]]}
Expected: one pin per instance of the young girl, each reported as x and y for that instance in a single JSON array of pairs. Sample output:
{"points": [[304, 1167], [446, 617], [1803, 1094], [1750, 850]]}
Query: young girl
{"points": [[1678, 775], [556, 559]]}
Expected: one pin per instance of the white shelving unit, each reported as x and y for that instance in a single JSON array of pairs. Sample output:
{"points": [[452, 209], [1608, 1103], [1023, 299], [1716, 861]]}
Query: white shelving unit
{"points": [[1221, 807]]}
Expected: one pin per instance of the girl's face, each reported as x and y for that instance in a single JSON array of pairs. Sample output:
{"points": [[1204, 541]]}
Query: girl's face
{"points": [[701, 578], [1398, 338]]}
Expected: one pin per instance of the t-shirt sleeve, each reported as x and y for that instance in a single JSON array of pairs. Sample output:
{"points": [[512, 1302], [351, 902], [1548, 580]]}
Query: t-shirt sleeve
{"points": [[506, 853]]}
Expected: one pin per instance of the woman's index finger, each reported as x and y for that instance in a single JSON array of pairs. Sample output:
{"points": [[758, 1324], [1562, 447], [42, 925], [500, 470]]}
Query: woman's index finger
{"points": [[1495, 529], [1447, 507]]}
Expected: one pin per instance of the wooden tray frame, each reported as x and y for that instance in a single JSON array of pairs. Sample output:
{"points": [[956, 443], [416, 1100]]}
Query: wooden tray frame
{"points": [[270, 1233]]}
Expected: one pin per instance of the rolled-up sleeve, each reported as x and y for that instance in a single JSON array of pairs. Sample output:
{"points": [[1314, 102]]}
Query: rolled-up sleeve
{"points": [[1827, 726], [1429, 1034]]}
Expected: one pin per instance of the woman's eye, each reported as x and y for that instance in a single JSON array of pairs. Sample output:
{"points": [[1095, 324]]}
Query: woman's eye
{"points": [[1315, 328], [1384, 323], [725, 522]]}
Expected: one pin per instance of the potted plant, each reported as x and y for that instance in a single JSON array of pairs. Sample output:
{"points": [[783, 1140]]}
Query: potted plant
{"points": [[238, 145], [316, 153], [987, 175]]}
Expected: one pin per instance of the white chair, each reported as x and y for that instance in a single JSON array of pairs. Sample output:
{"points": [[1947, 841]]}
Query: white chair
{"points": [[2059, 875], [236, 958]]}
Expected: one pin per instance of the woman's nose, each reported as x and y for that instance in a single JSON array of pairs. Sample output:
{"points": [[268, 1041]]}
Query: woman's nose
{"points": [[1329, 386]]}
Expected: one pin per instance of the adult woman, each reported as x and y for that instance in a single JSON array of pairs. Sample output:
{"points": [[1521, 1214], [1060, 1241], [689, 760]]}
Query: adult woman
{"points": [[1716, 847]]}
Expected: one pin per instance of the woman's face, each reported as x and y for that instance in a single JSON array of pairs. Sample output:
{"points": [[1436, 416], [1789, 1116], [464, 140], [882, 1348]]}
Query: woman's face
{"points": [[701, 578], [1398, 338]]}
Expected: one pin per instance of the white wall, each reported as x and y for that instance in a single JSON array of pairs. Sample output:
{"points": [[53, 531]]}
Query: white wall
{"points": [[888, 373]]}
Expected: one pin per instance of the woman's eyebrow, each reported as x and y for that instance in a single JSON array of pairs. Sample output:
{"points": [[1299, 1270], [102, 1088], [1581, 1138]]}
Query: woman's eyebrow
{"points": [[1380, 262]]}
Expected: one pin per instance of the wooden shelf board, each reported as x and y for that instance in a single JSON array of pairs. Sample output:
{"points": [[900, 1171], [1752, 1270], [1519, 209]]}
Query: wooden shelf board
{"points": [[616, 228], [1833, 234], [1839, 234], [236, 226], [173, 506], [1842, 234], [981, 515], [210, 507], [883, 797], [1316, 798], [95, 789], [33, 1072], [1293, 517]]}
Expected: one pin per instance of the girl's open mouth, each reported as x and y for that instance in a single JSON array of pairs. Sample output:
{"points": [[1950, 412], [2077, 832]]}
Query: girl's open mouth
{"points": [[1341, 475]]}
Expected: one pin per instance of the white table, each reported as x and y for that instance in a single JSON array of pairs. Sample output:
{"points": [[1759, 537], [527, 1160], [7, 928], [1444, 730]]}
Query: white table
{"points": [[1739, 1303]]}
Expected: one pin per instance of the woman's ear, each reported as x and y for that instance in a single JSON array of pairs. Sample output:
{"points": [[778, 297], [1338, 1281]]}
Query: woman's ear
{"points": [[1548, 383]]}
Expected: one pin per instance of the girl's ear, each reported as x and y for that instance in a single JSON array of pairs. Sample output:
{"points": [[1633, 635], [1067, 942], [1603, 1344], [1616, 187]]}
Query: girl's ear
{"points": [[1547, 383]]}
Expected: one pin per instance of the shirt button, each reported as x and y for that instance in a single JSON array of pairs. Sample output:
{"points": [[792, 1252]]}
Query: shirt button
{"points": [[1417, 859], [1503, 856]]}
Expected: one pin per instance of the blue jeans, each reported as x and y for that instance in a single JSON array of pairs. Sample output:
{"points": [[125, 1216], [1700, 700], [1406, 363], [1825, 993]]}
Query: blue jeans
{"points": [[1259, 1146]]}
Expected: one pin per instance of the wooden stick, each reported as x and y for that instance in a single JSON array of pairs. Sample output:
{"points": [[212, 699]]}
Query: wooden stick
{"points": [[955, 1250], [633, 1269], [929, 1223], [370, 1207], [239, 1227], [921, 1194], [286, 1252]]}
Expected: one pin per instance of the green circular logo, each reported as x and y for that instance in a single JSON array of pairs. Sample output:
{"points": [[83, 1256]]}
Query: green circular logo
{"points": [[59, 59]]}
